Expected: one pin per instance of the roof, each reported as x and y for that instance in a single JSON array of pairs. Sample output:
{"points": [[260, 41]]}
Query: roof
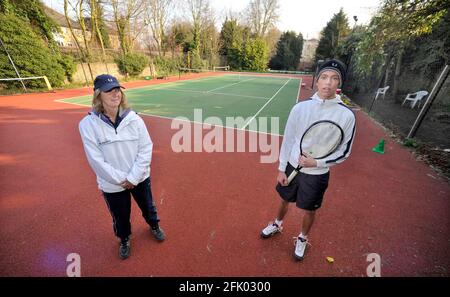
{"points": [[60, 19]]}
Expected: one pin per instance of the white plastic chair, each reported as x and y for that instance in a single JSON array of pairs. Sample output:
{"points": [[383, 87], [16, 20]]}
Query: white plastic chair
{"points": [[381, 91], [415, 97]]}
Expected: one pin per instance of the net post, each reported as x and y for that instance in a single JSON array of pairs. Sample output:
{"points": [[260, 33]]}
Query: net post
{"points": [[47, 83]]}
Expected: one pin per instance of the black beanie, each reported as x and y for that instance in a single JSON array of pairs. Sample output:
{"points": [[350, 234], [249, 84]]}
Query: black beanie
{"points": [[334, 65]]}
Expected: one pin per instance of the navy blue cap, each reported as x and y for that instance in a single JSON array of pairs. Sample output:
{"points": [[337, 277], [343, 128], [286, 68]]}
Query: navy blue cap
{"points": [[106, 82]]}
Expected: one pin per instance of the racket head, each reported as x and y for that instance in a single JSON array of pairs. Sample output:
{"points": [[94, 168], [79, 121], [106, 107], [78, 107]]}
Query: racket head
{"points": [[321, 139]]}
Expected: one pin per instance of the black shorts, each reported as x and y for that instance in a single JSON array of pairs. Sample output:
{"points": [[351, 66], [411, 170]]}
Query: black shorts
{"points": [[306, 190]]}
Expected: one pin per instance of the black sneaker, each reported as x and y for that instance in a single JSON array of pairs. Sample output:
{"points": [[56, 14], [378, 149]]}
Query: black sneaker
{"points": [[158, 233], [124, 249]]}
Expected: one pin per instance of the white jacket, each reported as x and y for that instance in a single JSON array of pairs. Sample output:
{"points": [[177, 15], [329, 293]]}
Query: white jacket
{"points": [[304, 114], [119, 154]]}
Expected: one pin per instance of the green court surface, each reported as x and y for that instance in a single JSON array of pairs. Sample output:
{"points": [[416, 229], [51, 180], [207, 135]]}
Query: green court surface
{"points": [[240, 101]]}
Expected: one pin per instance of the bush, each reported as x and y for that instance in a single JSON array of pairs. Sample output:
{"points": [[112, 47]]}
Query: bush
{"points": [[255, 55], [409, 142], [131, 64], [167, 65], [193, 60], [67, 62], [29, 52]]}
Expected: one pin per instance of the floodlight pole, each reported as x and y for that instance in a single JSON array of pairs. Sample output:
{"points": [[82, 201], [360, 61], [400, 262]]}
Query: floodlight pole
{"points": [[17, 72]]}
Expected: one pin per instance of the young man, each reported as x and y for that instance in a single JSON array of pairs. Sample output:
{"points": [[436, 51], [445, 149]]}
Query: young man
{"points": [[308, 187]]}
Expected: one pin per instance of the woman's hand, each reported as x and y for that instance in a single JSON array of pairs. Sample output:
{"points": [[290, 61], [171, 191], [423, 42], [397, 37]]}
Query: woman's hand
{"points": [[127, 185]]}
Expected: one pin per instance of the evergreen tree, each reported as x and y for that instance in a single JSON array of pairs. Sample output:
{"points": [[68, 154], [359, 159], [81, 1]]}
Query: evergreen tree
{"points": [[231, 37], [332, 36], [289, 51]]}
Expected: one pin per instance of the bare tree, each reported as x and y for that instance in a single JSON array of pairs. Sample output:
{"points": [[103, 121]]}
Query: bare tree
{"points": [[209, 39], [198, 10], [262, 15], [272, 36], [179, 32], [156, 16], [127, 17], [95, 15], [80, 16], [83, 54]]}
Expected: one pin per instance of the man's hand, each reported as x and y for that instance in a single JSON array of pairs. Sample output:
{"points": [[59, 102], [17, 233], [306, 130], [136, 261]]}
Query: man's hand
{"points": [[127, 185], [282, 178], [307, 161]]}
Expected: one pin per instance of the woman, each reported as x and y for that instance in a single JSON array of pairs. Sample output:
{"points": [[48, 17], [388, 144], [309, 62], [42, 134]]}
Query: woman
{"points": [[119, 150]]}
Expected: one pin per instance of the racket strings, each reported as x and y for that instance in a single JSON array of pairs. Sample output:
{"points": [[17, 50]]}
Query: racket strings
{"points": [[321, 139]]}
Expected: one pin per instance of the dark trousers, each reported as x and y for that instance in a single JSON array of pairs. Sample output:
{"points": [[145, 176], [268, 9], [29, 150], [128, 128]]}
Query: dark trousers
{"points": [[119, 205]]}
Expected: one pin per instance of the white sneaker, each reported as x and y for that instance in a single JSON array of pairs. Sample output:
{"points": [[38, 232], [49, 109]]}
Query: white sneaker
{"points": [[300, 248], [271, 229]]}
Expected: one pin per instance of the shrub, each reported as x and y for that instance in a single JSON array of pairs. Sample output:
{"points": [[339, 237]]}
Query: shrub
{"points": [[131, 64], [67, 62], [167, 65], [29, 52]]}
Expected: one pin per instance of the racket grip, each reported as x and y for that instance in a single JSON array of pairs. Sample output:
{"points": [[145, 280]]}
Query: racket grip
{"points": [[292, 175]]}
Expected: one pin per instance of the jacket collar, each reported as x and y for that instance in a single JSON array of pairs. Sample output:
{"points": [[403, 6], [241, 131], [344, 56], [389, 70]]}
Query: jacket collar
{"points": [[122, 114], [335, 100]]}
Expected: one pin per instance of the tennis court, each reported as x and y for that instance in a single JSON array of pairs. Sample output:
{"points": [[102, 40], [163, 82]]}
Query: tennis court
{"points": [[213, 206], [250, 97]]}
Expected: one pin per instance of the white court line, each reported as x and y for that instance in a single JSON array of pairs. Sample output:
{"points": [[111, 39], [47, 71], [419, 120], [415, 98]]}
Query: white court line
{"points": [[226, 86], [246, 124], [261, 75], [245, 96], [299, 89], [205, 92], [61, 101], [178, 82]]}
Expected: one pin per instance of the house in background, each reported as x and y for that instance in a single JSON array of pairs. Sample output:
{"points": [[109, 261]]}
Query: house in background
{"points": [[309, 51], [65, 39]]}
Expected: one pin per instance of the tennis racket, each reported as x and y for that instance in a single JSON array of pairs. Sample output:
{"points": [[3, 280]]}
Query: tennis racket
{"points": [[320, 140]]}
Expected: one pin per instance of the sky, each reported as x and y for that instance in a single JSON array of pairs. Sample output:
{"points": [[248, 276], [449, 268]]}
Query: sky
{"points": [[308, 17]]}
